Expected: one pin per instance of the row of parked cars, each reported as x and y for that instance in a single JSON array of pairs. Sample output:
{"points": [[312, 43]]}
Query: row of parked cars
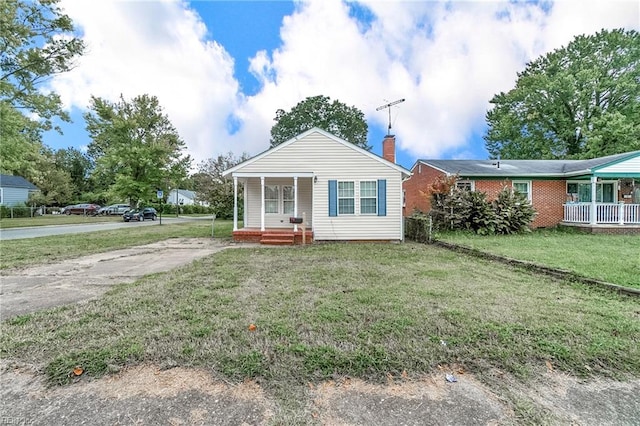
{"points": [[128, 214]]}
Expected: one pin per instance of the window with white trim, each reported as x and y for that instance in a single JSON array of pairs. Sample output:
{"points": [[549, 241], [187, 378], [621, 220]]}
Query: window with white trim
{"points": [[369, 197], [346, 198], [523, 187], [288, 200], [1, 195], [464, 185], [271, 198]]}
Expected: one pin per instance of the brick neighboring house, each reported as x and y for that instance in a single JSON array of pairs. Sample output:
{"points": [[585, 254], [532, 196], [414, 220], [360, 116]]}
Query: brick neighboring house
{"points": [[603, 190]]}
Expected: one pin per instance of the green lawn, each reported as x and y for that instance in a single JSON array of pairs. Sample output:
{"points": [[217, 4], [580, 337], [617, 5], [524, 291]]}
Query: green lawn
{"points": [[50, 219], [611, 258], [361, 310], [32, 251]]}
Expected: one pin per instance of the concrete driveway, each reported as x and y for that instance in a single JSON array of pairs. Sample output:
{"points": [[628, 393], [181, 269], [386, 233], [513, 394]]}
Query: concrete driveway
{"points": [[74, 280]]}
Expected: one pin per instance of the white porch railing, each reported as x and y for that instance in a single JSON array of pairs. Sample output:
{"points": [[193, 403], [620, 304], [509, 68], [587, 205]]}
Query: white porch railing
{"points": [[613, 213]]}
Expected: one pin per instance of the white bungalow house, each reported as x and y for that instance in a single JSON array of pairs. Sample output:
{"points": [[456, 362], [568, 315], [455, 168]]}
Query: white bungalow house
{"points": [[319, 183]]}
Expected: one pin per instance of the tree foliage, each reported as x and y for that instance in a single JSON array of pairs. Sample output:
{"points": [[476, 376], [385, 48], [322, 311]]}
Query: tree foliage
{"points": [[78, 166], [580, 101], [36, 42], [135, 147], [215, 189], [343, 121]]}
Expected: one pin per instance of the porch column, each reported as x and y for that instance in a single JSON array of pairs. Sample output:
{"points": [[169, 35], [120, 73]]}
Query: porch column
{"points": [[262, 203], [295, 201], [621, 213], [235, 203], [593, 211]]}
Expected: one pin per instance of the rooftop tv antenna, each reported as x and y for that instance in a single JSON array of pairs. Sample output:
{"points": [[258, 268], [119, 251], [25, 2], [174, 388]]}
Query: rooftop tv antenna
{"points": [[389, 105]]}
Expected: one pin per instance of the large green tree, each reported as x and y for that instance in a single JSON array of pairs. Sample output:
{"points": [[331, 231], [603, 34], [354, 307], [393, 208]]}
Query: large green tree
{"points": [[346, 122], [36, 42], [579, 101], [79, 167], [135, 147], [215, 189]]}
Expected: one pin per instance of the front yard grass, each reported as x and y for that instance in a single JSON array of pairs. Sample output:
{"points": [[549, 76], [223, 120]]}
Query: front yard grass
{"points": [[610, 258], [32, 251], [362, 310]]}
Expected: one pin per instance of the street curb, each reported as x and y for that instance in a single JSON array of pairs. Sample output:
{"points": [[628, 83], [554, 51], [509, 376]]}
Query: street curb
{"points": [[554, 272]]}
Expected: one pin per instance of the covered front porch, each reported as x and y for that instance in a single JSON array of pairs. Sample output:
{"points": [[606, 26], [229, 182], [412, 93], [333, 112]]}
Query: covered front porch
{"points": [[605, 202], [277, 207]]}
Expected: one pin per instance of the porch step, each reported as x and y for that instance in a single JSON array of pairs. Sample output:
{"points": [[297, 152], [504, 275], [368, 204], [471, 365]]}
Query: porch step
{"points": [[278, 238]]}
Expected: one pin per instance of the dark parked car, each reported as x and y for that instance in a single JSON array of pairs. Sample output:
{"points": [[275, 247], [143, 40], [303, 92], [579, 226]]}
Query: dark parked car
{"points": [[140, 214], [85, 209]]}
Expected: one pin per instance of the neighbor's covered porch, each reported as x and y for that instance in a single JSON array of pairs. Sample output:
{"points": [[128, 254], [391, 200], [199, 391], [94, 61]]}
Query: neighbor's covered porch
{"points": [[277, 207], [604, 200]]}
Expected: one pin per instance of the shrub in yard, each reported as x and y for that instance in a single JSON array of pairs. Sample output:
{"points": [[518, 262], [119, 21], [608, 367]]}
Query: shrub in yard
{"points": [[513, 212], [480, 216], [471, 211]]}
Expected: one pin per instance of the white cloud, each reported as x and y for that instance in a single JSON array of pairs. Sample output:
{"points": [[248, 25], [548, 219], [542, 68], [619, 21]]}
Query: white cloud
{"points": [[157, 48], [447, 60]]}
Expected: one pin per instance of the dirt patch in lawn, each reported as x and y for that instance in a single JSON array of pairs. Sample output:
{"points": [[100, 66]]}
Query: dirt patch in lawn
{"points": [[146, 394]]}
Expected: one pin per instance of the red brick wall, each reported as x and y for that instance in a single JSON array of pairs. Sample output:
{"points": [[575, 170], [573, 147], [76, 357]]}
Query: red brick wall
{"points": [[547, 195], [416, 187]]}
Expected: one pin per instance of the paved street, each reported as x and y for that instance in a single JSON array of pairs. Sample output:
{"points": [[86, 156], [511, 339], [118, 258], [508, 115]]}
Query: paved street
{"points": [[44, 231]]}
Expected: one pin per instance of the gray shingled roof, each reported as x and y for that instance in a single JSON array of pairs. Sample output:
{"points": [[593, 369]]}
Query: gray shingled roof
{"points": [[524, 167], [10, 181]]}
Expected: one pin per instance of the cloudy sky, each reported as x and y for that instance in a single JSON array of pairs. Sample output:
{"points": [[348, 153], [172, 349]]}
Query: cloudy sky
{"points": [[222, 69]]}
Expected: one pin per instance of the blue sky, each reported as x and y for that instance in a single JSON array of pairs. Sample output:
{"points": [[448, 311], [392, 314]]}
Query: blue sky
{"points": [[222, 69]]}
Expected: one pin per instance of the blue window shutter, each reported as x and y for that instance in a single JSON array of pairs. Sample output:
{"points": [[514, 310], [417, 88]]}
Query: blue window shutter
{"points": [[333, 198], [382, 197]]}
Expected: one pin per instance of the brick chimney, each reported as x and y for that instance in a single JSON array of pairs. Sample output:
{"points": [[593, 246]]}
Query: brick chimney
{"points": [[389, 148]]}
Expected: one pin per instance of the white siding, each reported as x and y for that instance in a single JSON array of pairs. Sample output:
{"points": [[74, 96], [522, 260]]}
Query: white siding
{"points": [[330, 160], [632, 165], [253, 193]]}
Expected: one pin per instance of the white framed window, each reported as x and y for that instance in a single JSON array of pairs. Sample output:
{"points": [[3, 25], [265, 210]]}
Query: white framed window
{"points": [[1, 195], [288, 199], [271, 198], [523, 187], [465, 185], [346, 198], [369, 197]]}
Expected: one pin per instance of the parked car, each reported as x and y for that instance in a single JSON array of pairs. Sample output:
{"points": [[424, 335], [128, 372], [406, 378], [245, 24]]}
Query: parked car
{"points": [[85, 209], [114, 209], [140, 214]]}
